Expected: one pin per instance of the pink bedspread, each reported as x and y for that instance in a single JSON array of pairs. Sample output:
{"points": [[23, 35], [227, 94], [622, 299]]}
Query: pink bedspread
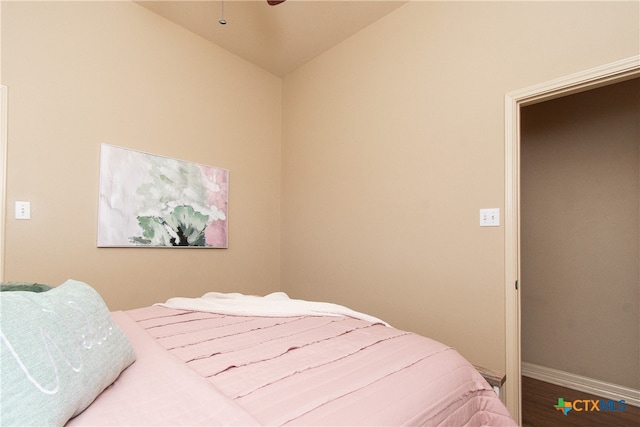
{"points": [[159, 390], [306, 370]]}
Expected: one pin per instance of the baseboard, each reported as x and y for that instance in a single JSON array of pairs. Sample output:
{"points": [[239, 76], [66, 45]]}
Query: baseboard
{"points": [[580, 383]]}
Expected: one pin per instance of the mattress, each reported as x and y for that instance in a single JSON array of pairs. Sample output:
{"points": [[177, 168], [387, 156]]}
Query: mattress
{"points": [[199, 367]]}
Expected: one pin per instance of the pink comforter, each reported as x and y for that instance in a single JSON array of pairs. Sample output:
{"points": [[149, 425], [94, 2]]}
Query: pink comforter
{"points": [[306, 370]]}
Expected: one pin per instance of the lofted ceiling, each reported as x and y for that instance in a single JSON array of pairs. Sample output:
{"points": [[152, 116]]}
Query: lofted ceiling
{"points": [[277, 38]]}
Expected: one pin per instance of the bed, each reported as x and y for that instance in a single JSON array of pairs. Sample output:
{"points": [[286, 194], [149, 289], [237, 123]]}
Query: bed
{"points": [[226, 359]]}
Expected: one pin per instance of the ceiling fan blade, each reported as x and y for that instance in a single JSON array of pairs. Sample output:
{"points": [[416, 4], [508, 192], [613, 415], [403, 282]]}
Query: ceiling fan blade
{"points": [[275, 2]]}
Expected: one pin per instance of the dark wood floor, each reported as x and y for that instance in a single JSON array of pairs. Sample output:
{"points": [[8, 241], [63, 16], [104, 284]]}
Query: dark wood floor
{"points": [[539, 398]]}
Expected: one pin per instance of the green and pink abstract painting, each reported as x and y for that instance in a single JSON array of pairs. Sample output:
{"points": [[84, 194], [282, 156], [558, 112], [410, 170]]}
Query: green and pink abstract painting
{"points": [[154, 201]]}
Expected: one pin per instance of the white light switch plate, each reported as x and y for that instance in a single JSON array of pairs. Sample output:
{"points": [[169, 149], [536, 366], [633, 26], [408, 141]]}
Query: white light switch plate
{"points": [[490, 217], [23, 210]]}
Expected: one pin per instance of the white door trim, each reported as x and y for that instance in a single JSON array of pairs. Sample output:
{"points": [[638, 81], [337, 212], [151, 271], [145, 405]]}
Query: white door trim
{"points": [[3, 174], [590, 79]]}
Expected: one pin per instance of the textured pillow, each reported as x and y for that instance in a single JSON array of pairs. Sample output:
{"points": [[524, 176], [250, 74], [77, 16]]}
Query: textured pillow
{"points": [[59, 350], [23, 286]]}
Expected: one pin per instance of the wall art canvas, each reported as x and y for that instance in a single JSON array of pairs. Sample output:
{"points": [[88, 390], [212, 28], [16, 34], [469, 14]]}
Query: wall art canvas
{"points": [[148, 200]]}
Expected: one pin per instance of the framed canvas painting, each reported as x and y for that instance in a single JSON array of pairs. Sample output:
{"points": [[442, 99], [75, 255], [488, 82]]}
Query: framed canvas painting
{"points": [[148, 200]]}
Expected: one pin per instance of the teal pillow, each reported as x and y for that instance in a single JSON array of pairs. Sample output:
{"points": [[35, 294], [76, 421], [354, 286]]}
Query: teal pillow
{"points": [[23, 286], [59, 350]]}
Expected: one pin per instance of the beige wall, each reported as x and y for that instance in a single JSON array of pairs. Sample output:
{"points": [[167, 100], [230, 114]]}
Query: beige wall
{"points": [[580, 234], [394, 140], [390, 144], [85, 73]]}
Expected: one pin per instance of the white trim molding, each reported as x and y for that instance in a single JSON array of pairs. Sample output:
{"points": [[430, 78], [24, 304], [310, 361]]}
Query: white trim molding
{"points": [[577, 382], [3, 174]]}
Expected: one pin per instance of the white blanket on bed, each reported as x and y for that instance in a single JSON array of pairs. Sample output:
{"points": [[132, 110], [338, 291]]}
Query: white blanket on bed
{"points": [[277, 304]]}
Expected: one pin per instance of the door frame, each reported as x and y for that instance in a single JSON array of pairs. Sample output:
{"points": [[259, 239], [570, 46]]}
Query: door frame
{"points": [[3, 174], [586, 80]]}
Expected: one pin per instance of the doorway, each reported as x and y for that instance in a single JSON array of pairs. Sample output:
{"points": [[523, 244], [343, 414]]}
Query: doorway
{"points": [[514, 101], [579, 235]]}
